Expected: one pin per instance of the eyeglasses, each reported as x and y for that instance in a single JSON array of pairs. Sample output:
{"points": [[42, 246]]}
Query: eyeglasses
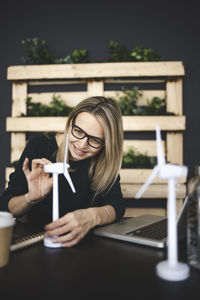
{"points": [[80, 134]]}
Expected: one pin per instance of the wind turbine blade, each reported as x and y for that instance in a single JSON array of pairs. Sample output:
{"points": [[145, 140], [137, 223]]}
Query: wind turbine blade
{"points": [[148, 182], [160, 153], [66, 150], [67, 176]]}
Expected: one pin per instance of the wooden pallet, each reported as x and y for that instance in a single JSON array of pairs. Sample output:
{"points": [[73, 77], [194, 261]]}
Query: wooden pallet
{"points": [[93, 79]]}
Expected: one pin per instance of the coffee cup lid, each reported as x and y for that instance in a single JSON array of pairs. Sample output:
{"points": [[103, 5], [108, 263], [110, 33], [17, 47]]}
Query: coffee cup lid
{"points": [[6, 219]]}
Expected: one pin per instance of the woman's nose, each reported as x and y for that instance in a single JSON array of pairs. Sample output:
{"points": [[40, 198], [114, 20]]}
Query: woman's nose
{"points": [[83, 142]]}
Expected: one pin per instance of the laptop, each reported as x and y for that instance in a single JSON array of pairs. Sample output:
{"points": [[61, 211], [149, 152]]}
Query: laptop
{"points": [[148, 230]]}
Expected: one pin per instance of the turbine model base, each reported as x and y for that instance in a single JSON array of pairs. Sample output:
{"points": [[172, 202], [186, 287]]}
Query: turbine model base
{"points": [[178, 272], [48, 243]]}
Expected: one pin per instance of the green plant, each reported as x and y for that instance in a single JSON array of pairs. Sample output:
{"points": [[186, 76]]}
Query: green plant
{"points": [[148, 54], [133, 159], [128, 102], [156, 106], [36, 52], [65, 60], [57, 107], [79, 56], [119, 53]]}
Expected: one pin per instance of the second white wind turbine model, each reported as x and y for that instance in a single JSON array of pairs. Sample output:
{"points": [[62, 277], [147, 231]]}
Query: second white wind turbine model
{"points": [[170, 269], [56, 169]]}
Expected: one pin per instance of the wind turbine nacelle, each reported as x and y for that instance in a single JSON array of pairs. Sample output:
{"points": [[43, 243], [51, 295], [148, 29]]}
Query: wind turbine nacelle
{"points": [[173, 171], [58, 168]]}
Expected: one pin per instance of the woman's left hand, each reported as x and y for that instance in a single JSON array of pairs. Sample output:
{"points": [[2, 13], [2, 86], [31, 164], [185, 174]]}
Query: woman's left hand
{"points": [[71, 228]]}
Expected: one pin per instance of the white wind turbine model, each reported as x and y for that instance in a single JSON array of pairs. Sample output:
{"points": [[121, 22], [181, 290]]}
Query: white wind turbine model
{"points": [[56, 169], [170, 269]]}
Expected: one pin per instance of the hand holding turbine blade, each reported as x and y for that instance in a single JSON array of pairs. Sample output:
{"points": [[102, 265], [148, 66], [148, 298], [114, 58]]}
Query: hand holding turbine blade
{"points": [[56, 169]]}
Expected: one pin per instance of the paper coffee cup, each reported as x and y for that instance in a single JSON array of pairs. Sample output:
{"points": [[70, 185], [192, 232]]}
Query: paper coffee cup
{"points": [[6, 228]]}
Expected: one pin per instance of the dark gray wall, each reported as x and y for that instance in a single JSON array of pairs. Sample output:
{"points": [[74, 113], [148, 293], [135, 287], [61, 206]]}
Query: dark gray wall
{"points": [[171, 28]]}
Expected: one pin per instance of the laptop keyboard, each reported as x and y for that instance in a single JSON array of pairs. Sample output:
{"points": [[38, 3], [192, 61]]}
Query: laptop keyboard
{"points": [[155, 231]]}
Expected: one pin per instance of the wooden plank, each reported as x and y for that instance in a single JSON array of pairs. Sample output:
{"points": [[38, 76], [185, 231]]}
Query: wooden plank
{"points": [[147, 147], [96, 70], [19, 94], [179, 203], [174, 96], [143, 146], [84, 81], [174, 144], [134, 212], [153, 191], [18, 142], [125, 80], [136, 176], [147, 123], [36, 124], [8, 171], [69, 98], [57, 82], [95, 88], [73, 98], [147, 95]]}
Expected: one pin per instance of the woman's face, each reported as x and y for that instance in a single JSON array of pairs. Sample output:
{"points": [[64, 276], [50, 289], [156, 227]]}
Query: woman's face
{"points": [[79, 148]]}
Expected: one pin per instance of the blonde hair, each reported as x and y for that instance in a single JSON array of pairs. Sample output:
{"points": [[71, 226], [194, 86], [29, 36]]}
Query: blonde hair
{"points": [[105, 165]]}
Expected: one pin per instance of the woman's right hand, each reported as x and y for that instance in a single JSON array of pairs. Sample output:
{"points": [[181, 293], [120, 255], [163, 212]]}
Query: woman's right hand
{"points": [[39, 182]]}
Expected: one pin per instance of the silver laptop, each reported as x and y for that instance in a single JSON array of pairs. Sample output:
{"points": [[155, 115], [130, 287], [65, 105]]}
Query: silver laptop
{"points": [[149, 230]]}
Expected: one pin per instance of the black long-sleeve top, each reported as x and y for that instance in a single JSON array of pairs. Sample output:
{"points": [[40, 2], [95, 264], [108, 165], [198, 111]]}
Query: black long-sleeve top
{"points": [[40, 146]]}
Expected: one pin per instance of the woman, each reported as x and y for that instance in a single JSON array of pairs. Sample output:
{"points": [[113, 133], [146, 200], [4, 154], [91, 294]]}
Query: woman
{"points": [[95, 148]]}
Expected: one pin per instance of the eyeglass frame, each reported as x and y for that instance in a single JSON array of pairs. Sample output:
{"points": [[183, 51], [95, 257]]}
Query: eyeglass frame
{"points": [[86, 135]]}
